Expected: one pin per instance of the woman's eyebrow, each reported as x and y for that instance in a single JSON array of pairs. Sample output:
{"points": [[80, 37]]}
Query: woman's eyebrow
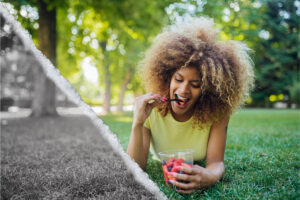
{"points": [[179, 74]]}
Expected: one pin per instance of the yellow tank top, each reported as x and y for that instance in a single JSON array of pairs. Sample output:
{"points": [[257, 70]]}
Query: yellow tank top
{"points": [[169, 134]]}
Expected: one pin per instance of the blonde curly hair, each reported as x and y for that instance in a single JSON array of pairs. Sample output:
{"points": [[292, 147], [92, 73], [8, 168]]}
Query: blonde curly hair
{"points": [[225, 67]]}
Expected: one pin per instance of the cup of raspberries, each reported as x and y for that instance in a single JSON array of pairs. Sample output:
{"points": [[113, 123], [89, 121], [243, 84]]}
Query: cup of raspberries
{"points": [[171, 161]]}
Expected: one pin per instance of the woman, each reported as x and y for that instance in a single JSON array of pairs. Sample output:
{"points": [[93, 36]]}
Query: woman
{"points": [[209, 79]]}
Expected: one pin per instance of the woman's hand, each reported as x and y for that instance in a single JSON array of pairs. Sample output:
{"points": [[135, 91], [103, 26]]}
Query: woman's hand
{"points": [[199, 177], [139, 142], [193, 178], [143, 106]]}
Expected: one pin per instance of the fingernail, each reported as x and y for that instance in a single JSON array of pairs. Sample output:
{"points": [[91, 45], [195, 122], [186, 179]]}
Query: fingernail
{"points": [[171, 181], [156, 95]]}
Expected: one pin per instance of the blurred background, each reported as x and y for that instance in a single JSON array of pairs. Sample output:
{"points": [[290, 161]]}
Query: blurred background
{"points": [[97, 45]]}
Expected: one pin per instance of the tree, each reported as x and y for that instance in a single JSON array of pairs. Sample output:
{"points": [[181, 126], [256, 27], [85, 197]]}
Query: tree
{"points": [[280, 62], [271, 29], [114, 26], [43, 102]]}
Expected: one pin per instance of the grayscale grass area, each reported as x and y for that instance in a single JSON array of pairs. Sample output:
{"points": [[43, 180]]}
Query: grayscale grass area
{"points": [[62, 158]]}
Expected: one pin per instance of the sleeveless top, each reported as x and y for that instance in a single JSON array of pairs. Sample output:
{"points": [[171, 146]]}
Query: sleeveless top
{"points": [[169, 134]]}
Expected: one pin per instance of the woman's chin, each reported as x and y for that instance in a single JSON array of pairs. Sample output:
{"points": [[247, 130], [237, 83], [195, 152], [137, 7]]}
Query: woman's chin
{"points": [[180, 110]]}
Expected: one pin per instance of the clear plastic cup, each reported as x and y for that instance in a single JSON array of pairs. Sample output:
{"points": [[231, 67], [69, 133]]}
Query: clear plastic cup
{"points": [[171, 160]]}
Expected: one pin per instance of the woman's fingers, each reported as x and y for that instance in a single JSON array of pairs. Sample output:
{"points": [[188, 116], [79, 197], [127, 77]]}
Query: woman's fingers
{"points": [[155, 97], [142, 107], [146, 100], [196, 169], [184, 186], [186, 191], [189, 180], [152, 99], [185, 177]]}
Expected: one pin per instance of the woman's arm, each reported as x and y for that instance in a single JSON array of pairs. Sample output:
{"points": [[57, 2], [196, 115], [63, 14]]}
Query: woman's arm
{"points": [[216, 150], [199, 177], [138, 146]]}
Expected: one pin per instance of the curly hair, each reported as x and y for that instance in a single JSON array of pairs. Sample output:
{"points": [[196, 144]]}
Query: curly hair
{"points": [[225, 68]]}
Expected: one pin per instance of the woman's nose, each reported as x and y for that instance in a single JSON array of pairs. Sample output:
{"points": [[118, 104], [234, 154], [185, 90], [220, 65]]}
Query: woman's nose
{"points": [[184, 88]]}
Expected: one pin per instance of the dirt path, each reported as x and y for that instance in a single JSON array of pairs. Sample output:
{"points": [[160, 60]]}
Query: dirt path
{"points": [[62, 157]]}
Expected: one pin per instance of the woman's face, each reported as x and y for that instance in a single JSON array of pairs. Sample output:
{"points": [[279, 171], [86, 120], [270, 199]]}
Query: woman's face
{"points": [[185, 85]]}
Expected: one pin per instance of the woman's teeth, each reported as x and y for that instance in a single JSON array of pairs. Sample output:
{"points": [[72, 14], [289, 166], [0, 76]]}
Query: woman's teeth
{"points": [[183, 100]]}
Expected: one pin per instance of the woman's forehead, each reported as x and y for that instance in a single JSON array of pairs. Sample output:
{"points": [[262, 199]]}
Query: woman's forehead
{"points": [[188, 72]]}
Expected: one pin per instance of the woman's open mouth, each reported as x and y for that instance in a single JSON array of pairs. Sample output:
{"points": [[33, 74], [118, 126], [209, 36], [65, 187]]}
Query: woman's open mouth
{"points": [[183, 100]]}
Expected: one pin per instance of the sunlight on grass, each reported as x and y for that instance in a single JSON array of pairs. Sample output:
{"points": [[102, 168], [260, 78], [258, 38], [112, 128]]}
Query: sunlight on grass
{"points": [[121, 117], [261, 156], [120, 124]]}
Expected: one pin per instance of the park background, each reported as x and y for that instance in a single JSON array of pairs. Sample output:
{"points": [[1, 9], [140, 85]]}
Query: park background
{"points": [[97, 45]]}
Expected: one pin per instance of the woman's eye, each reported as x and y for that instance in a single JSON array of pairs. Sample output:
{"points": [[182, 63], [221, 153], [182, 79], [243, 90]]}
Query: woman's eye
{"points": [[195, 86], [178, 80]]}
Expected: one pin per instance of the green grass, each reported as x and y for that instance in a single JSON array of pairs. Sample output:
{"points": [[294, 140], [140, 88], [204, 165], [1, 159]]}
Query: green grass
{"points": [[261, 158]]}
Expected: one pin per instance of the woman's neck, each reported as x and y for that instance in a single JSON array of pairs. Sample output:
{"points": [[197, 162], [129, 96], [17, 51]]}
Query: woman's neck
{"points": [[183, 117]]}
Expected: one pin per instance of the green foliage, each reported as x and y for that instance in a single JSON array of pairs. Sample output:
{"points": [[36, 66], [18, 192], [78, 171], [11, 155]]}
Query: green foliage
{"points": [[26, 15], [269, 27], [261, 156], [280, 63], [120, 28]]}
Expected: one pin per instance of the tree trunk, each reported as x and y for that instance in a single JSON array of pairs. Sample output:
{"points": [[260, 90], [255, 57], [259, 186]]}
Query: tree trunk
{"points": [[107, 97], [107, 80], [43, 102], [123, 90]]}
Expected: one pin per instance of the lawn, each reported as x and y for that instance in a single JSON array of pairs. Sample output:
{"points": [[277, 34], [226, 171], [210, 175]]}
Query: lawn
{"points": [[62, 157], [261, 158]]}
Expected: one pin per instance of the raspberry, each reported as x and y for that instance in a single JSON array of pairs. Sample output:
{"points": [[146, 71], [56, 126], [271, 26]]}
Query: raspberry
{"points": [[169, 164], [165, 171], [179, 161], [186, 165], [175, 169]]}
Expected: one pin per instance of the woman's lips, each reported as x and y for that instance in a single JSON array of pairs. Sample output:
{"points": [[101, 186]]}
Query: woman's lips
{"points": [[183, 101]]}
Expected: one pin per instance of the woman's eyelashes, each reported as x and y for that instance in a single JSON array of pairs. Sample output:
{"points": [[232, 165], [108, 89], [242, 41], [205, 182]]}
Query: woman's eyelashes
{"points": [[195, 86], [178, 80], [192, 84]]}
